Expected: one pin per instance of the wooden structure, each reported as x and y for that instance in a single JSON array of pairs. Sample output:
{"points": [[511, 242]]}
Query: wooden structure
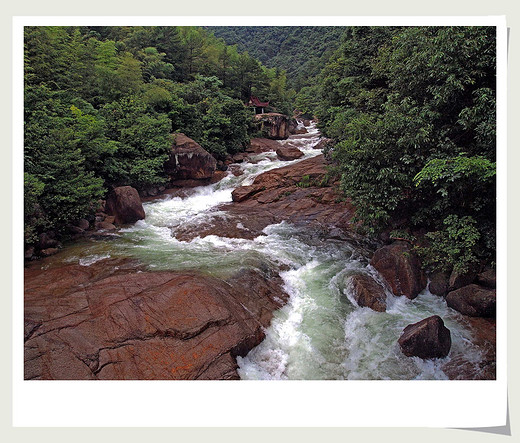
{"points": [[259, 105]]}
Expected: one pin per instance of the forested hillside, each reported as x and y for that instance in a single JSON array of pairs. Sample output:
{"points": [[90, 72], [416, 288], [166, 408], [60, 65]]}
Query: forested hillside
{"points": [[410, 111], [301, 51], [101, 103], [412, 115]]}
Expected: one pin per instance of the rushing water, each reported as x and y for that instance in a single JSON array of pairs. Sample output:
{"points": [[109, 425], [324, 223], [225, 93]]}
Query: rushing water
{"points": [[320, 333]]}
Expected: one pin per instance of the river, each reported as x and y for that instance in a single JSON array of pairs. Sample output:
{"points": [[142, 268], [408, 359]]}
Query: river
{"points": [[320, 333]]}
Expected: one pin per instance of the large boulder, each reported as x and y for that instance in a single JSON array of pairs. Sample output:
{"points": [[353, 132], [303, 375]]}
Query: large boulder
{"points": [[400, 267], [126, 324], [48, 240], [274, 125], [488, 278], [460, 279], [473, 300], [188, 160], [259, 145], [426, 339], [125, 205], [288, 153], [439, 284], [367, 292]]}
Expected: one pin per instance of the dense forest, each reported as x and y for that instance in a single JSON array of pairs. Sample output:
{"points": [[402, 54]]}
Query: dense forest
{"points": [[301, 51], [410, 113], [101, 103]]}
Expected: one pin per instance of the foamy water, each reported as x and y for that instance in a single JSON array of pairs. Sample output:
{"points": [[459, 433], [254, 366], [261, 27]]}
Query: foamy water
{"points": [[320, 333]]}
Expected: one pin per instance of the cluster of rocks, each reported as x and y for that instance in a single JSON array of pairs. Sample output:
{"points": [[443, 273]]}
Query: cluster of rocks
{"points": [[470, 294]]}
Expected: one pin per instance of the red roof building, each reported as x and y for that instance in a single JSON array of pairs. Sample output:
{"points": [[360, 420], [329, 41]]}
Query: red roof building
{"points": [[255, 101]]}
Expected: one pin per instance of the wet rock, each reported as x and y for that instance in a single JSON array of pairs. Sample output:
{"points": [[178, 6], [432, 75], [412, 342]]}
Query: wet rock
{"points": [[301, 131], [293, 124], [239, 158], [439, 284], [142, 325], [488, 278], [110, 219], [217, 176], [189, 161], [322, 143], [221, 166], [306, 122], [274, 125], [105, 226], [244, 192], [125, 205], [367, 292], [84, 223], [426, 339], [75, 230], [460, 279], [48, 251], [273, 197], [259, 145], [288, 153], [400, 267], [483, 337], [47, 240], [152, 192], [473, 300]]}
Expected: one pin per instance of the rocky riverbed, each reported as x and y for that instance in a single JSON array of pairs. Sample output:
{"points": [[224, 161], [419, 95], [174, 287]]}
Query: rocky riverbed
{"points": [[256, 275]]}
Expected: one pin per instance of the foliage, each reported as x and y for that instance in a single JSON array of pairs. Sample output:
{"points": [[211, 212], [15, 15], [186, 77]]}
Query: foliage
{"points": [[455, 247], [101, 103], [412, 112]]}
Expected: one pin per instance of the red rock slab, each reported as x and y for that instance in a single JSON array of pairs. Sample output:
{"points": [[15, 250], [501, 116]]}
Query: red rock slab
{"points": [[81, 323]]}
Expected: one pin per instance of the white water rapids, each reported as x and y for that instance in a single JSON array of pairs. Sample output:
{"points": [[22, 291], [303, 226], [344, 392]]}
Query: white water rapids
{"points": [[320, 333]]}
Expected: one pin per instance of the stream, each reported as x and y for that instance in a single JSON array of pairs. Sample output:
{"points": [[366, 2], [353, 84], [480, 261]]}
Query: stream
{"points": [[320, 333]]}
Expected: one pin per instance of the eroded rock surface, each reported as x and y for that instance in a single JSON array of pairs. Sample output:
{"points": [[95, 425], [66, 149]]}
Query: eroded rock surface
{"points": [[400, 267], [189, 161], [125, 205], [427, 339], [473, 300], [114, 322], [275, 126], [293, 193], [288, 153], [367, 292]]}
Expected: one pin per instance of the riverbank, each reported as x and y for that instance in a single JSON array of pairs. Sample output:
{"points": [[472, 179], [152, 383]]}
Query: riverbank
{"points": [[245, 278]]}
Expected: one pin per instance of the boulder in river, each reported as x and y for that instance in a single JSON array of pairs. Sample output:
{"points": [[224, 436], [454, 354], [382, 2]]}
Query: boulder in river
{"points": [[188, 160], [125, 205], [400, 267], [367, 292], [288, 153], [439, 283], [473, 300], [274, 125], [427, 339], [259, 145]]}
